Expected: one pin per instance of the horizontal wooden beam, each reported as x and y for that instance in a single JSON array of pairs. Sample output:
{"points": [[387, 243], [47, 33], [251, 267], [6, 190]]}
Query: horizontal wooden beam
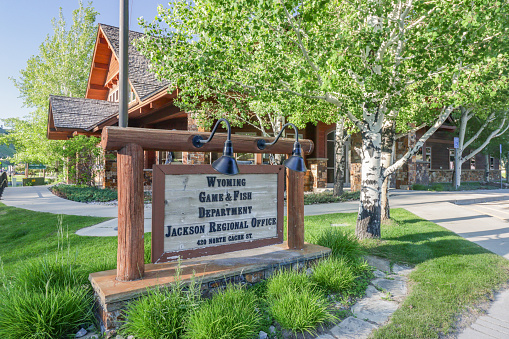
{"points": [[100, 65], [114, 138], [97, 87]]}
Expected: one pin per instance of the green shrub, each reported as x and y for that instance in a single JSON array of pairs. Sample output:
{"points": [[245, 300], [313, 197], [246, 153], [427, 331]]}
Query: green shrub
{"points": [[283, 280], [231, 314], [300, 311], [161, 313], [419, 187], [82, 193], [327, 197], [53, 313], [341, 243], [334, 274], [438, 187]]}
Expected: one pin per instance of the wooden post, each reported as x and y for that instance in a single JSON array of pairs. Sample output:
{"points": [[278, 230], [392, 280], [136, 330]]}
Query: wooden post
{"points": [[295, 209], [130, 253]]}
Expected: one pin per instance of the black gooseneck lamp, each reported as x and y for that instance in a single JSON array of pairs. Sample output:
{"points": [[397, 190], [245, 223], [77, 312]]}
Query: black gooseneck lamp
{"points": [[227, 163], [295, 162]]}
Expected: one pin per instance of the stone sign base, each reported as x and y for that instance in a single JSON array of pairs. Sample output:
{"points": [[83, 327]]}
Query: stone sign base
{"points": [[212, 272]]}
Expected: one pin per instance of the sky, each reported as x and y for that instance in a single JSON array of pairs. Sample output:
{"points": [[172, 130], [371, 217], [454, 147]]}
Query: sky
{"points": [[26, 23]]}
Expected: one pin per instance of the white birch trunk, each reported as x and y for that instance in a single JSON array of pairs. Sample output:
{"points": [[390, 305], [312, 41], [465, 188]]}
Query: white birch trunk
{"points": [[457, 168], [368, 219], [388, 135], [339, 151]]}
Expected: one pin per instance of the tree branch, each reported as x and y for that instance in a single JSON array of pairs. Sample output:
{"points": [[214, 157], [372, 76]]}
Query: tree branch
{"points": [[442, 117]]}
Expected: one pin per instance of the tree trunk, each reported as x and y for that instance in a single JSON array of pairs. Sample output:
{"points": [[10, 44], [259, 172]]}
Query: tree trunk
{"points": [[457, 168], [507, 168], [487, 169], [388, 136], [368, 220], [339, 164]]}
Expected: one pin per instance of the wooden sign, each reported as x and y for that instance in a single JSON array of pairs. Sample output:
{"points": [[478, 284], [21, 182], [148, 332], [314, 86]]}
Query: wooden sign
{"points": [[197, 211]]}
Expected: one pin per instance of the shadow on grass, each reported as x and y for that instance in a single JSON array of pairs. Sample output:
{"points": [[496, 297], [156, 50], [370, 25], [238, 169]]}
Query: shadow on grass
{"points": [[417, 252]]}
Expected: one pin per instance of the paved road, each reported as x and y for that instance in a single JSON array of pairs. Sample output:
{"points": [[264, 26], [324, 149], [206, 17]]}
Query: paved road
{"points": [[478, 216]]}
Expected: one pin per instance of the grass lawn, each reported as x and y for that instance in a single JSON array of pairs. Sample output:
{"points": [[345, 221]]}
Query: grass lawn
{"points": [[451, 275], [26, 236]]}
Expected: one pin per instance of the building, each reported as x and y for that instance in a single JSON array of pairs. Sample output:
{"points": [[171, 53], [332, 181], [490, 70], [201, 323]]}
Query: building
{"points": [[151, 106]]}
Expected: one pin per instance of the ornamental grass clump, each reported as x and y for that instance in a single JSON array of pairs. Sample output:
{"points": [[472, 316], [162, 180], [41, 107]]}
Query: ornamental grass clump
{"points": [[341, 243], [296, 303], [334, 274], [49, 297], [283, 280], [230, 314], [52, 313], [163, 312], [301, 311]]}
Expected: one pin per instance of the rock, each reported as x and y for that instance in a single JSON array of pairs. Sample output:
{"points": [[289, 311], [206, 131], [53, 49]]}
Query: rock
{"points": [[325, 336], [379, 274], [352, 328], [372, 292], [396, 287], [309, 272], [381, 264], [81, 333], [272, 329], [374, 309], [263, 335], [401, 269], [131, 337]]}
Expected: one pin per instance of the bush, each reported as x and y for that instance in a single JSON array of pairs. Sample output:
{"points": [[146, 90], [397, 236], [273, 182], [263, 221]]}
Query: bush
{"points": [[327, 197], [341, 243], [231, 314], [300, 311], [53, 313], [283, 280], [161, 313], [334, 274], [419, 187], [81, 193]]}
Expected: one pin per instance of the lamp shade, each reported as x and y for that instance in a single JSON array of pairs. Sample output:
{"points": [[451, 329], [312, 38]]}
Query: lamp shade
{"points": [[226, 165], [296, 161]]}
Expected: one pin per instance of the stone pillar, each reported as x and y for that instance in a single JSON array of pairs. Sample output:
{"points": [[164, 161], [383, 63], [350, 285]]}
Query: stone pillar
{"points": [[193, 158], [318, 172], [110, 169]]}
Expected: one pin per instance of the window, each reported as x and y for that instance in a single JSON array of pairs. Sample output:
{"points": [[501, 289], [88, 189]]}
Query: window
{"points": [[492, 163], [452, 152], [165, 158], [132, 96], [246, 158], [428, 155], [113, 97], [472, 163]]}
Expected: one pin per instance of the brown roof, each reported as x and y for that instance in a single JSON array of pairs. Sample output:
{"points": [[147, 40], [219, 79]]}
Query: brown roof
{"points": [[80, 113], [144, 82]]}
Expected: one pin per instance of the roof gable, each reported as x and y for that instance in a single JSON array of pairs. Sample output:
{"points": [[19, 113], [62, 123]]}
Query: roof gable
{"points": [[144, 83]]}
